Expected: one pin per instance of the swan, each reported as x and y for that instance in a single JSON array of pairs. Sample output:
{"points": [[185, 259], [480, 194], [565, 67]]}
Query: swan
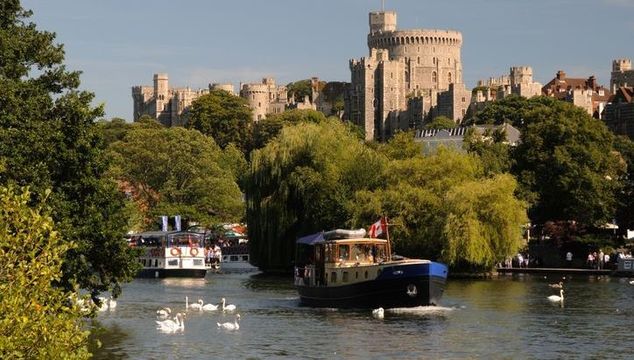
{"points": [[164, 312], [197, 306], [632, 282], [559, 285], [229, 307], [555, 298], [378, 313], [210, 307], [106, 303], [171, 325], [230, 325]]}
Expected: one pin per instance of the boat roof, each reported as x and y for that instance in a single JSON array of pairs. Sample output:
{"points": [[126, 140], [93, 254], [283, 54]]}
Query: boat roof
{"points": [[339, 236]]}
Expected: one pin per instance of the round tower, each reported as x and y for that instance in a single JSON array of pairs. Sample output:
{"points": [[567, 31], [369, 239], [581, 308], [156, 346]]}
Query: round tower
{"points": [[620, 65], [257, 95]]}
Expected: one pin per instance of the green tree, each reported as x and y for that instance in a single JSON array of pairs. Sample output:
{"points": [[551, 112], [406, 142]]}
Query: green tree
{"points": [[512, 109], [441, 122], [437, 216], [36, 319], [492, 148], [625, 195], [224, 117], [567, 166], [301, 182], [300, 89], [48, 141], [266, 129], [179, 171]]}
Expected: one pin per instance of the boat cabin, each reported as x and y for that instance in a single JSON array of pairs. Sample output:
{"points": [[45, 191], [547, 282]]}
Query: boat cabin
{"points": [[338, 257]]}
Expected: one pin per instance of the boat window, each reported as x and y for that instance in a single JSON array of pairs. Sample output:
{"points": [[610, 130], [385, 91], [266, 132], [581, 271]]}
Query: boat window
{"points": [[362, 253], [356, 275], [366, 274], [328, 253], [198, 262], [344, 252], [155, 262], [233, 258], [344, 278], [333, 277], [173, 262]]}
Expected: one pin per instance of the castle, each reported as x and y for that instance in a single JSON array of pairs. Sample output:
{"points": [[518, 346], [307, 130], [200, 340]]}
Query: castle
{"points": [[399, 82], [622, 74]]}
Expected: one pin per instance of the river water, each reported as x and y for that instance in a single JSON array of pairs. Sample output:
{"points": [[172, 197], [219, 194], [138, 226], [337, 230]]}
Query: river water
{"points": [[503, 318]]}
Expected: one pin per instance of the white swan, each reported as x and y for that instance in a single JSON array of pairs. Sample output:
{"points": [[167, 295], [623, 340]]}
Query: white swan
{"points": [[555, 298], [230, 325], [378, 313], [171, 325], [229, 307], [163, 312], [210, 307], [106, 303], [632, 282], [197, 306]]}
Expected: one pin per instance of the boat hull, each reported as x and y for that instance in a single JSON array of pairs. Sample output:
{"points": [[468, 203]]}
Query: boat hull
{"points": [[398, 285], [165, 273]]}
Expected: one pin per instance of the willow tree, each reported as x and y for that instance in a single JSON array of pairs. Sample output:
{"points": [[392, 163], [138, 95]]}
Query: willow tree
{"points": [[301, 182], [179, 171], [443, 207]]}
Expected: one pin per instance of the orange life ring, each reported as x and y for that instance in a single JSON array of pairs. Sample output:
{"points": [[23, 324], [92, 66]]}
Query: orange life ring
{"points": [[193, 251], [175, 251]]}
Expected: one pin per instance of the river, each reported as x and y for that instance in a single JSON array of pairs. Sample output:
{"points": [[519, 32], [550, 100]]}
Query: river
{"points": [[503, 318]]}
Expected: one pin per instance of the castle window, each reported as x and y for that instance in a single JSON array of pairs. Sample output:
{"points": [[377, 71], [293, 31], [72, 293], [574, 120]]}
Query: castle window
{"points": [[259, 104], [449, 77], [418, 60], [449, 61], [463, 100], [434, 77]]}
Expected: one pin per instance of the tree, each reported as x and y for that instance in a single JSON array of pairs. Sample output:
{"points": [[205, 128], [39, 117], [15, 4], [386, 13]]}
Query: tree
{"points": [[179, 171], [566, 165], [48, 141], [512, 110], [625, 195], [301, 182], [441, 122], [224, 117], [443, 207], [300, 89], [36, 319], [266, 129], [491, 147]]}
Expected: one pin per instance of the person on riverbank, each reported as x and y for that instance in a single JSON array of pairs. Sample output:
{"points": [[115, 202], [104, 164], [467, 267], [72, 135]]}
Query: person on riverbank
{"points": [[569, 259], [600, 260], [590, 261]]}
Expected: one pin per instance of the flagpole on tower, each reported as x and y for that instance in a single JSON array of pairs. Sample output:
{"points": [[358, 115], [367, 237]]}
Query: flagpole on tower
{"points": [[382, 5]]}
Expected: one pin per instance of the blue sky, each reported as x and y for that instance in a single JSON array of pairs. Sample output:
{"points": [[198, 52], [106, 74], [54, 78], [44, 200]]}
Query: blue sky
{"points": [[121, 43]]}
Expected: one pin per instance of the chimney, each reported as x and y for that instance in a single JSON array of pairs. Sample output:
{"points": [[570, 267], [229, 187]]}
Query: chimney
{"points": [[561, 75]]}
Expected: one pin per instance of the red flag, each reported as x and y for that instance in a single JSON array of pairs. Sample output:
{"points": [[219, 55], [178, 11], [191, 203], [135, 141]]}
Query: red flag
{"points": [[378, 228]]}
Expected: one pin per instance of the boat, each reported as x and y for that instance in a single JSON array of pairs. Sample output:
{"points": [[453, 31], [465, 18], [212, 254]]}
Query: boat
{"points": [[346, 269], [170, 254], [234, 255]]}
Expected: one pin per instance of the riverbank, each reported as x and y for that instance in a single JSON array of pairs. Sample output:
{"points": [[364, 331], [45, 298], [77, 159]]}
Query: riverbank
{"points": [[565, 271]]}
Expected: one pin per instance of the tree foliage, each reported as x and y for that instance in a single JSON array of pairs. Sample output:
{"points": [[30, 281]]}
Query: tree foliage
{"points": [[301, 182], [48, 141], [224, 117], [567, 166], [492, 148], [441, 122], [443, 207], [512, 109], [179, 171], [36, 319], [268, 128]]}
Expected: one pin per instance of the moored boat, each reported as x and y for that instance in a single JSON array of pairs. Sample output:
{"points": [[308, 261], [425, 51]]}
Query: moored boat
{"points": [[170, 254], [345, 269]]}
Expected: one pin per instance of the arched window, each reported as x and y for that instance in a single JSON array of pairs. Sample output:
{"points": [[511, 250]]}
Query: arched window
{"points": [[434, 77]]}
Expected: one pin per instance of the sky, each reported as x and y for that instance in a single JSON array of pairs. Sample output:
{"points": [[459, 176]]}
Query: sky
{"points": [[118, 44]]}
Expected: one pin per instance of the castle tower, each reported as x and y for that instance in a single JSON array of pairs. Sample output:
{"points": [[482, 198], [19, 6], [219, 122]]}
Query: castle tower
{"points": [[161, 96], [622, 74], [382, 21], [521, 75]]}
